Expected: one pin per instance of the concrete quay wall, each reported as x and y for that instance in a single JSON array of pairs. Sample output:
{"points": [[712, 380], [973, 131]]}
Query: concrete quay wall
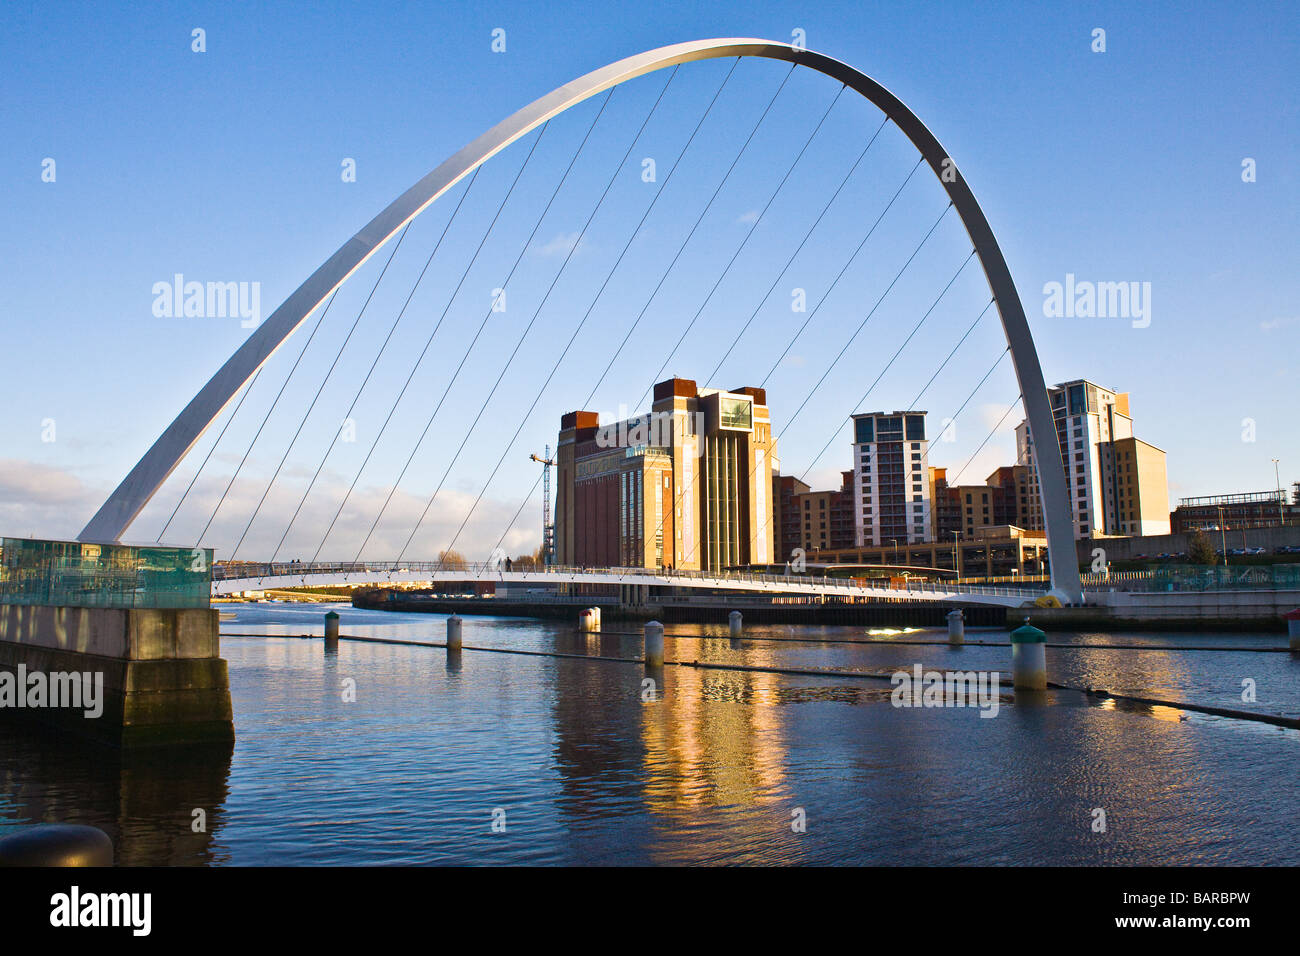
{"points": [[163, 679]]}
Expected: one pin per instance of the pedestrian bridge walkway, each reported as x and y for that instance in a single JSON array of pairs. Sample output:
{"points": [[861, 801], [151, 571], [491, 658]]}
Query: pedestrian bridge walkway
{"points": [[233, 578]]}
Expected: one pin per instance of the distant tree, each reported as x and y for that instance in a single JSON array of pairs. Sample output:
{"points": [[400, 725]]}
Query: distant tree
{"points": [[452, 560], [1199, 549], [527, 562]]}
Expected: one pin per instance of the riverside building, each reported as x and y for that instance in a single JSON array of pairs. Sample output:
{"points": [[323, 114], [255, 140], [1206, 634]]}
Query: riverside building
{"points": [[686, 486], [1117, 483], [891, 486]]}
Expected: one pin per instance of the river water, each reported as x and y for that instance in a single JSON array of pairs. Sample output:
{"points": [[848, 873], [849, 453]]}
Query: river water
{"points": [[384, 754]]}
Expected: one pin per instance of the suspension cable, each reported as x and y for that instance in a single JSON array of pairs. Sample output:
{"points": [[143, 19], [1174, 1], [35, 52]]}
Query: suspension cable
{"points": [[527, 328], [267, 416], [482, 325], [329, 372], [925, 388], [990, 435], [405, 385], [429, 423], [361, 388], [862, 155], [577, 330], [221, 435], [840, 274], [744, 242], [712, 376], [863, 323]]}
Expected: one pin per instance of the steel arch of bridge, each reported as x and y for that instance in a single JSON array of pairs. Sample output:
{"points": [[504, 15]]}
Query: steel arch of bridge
{"points": [[148, 475]]}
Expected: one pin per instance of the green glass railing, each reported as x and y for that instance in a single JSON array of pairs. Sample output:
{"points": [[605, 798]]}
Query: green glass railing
{"points": [[73, 574]]}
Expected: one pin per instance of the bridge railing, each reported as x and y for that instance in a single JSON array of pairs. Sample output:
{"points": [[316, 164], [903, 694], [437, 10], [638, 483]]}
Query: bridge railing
{"points": [[251, 571]]}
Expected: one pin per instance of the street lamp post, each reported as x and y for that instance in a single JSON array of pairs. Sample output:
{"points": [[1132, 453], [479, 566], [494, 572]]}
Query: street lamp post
{"points": [[1223, 533], [1281, 515], [956, 559], [894, 542]]}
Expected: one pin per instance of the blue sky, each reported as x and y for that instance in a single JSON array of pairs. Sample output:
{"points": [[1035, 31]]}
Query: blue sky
{"points": [[225, 166]]}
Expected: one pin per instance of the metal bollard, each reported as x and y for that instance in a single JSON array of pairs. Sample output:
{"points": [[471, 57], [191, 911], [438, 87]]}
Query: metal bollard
{"points": [[453, 633], [1028, 658], [1292, 619], [956, 627], [654, 644], [736, 621], [332, 631]]}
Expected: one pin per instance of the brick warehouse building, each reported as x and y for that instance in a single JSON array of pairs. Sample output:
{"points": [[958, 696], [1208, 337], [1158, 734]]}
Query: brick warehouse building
{"points": [[687, 486]]}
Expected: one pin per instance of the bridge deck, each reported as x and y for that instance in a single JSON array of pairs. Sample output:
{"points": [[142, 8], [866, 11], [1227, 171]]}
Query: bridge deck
{"points": [[230, 579]]}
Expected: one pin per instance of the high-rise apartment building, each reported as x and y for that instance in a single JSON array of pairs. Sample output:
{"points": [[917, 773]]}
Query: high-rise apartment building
{"points": [[1117, 484], [891, 487], [688, 485]]}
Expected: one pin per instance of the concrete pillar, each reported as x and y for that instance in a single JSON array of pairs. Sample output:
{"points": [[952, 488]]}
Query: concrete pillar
{"points": [[1028, 658], [57, 844], [736, 621], [453, 633], [654, 644], [331, 631], [1292, 619], [164, 681], [956, 627]]}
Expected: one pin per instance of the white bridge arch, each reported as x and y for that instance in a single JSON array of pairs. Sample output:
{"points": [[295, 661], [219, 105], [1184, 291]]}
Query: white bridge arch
{"points": [[148, 475]]}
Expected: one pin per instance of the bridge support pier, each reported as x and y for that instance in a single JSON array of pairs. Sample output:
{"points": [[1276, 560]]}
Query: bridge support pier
{"points": [[129, 677]]}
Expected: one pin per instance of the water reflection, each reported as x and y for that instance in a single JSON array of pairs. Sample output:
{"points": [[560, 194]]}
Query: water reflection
{"points": [[145, 801], [710, 767]]}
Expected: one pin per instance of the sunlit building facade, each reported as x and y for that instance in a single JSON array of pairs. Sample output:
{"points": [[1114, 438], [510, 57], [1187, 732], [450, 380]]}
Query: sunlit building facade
{"points": [[891, 486], [687, 485], [1117, 483]]}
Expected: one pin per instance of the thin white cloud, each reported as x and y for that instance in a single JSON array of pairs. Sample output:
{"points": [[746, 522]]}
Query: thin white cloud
{"points": [[561, 244], [1270, 325]]}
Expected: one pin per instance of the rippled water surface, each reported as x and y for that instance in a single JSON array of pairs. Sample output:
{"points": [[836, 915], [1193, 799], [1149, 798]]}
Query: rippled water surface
{"points": [[581, 768]]}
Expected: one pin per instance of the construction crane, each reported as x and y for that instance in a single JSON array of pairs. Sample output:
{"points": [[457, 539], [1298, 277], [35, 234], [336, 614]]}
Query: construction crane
{"points": [[548, 529]]}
